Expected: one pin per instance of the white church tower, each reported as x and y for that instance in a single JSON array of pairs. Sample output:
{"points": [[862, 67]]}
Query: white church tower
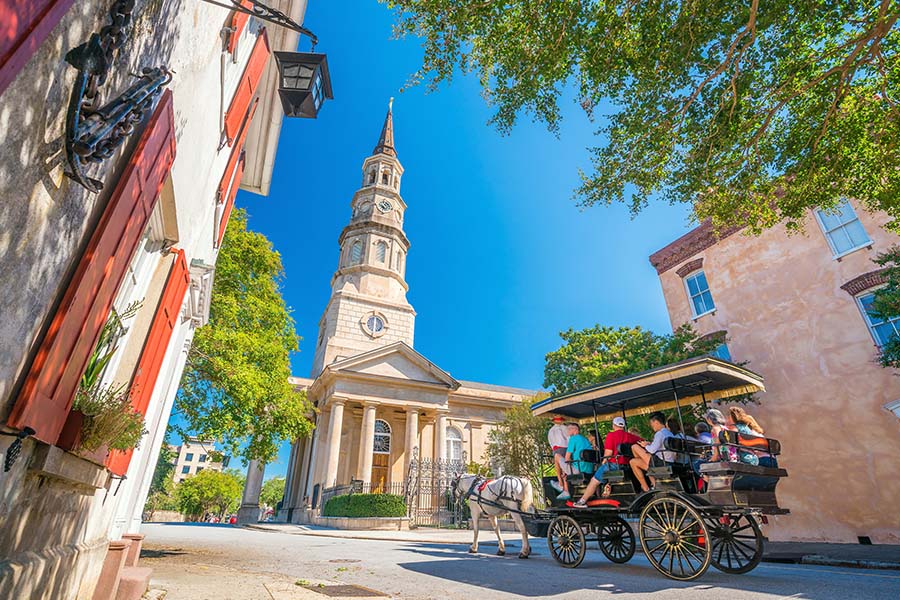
{"points": [[368, 306]]}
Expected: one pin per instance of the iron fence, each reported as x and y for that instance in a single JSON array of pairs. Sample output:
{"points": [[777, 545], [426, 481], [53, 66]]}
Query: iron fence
{"points": [[429, 499]]}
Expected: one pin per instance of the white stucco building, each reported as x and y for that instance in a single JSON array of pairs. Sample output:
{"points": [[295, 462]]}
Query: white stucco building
{"points": [[377, 397]]}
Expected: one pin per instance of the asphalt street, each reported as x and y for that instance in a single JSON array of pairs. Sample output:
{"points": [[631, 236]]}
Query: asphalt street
{"points": [[237, 559]]}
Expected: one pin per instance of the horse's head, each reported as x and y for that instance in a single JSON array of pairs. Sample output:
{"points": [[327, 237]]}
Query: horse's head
{"points": [[460, 481]]}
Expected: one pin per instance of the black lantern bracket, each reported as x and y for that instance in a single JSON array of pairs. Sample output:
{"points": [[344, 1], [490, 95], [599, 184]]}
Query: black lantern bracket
{"points": [[268, 14], [15, 448]]}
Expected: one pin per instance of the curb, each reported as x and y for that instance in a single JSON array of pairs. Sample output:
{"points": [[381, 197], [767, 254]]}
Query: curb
{"points": [[370, 537], [816, 559]]}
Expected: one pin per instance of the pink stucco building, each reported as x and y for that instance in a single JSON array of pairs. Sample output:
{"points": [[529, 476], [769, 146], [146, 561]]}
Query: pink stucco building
{"points": [[794, 307]]}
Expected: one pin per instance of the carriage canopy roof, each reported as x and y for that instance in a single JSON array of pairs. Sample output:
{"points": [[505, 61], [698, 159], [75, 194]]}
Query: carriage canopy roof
{"points": [[692, 380]]}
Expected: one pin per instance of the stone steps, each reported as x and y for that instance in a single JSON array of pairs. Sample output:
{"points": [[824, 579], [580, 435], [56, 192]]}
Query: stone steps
{"points": [[133, 583]]}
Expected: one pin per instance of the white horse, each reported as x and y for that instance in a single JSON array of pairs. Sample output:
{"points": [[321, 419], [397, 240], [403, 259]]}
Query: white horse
{"points": [[494, 498]]}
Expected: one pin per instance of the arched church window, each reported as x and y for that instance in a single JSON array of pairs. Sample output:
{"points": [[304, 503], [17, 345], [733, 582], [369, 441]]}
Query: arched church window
{"points": [[371, 176], [381, 251], [382, 437], [454, 443], [400, 257], [385, 178], [356, 252]]}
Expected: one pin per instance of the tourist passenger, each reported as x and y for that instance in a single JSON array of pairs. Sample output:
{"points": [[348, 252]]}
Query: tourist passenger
{"points": [[558, 438], [612, 460], [745, 424], [644, 452], [701, 431], [577, 444]]}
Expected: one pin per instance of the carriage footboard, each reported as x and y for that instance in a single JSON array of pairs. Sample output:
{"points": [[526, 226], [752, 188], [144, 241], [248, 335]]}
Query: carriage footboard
{"points": [[739, 484]]}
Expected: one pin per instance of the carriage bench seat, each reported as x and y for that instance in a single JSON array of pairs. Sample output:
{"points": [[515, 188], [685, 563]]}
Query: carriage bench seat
{"points": [[740, 484]]}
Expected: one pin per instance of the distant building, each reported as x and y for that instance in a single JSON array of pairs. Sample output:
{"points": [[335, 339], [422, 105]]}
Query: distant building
{"points": [[194, 455], [795, 307]]}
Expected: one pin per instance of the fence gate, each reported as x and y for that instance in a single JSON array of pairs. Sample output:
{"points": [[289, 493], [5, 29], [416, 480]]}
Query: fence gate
{"points": [[429, 498]]}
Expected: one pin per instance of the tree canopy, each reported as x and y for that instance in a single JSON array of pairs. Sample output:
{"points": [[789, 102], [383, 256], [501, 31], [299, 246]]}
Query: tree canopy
{"points": [[272, 491], [209, 491], [235, 387], [517, 444], [752, 112], [600, 353]]}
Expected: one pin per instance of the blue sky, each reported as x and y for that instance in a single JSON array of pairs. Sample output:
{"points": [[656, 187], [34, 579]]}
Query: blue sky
{"points": [[501, 258]]}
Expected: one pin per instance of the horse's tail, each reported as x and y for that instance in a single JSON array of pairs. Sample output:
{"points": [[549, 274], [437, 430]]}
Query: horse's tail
{"points": [[527, 505]]}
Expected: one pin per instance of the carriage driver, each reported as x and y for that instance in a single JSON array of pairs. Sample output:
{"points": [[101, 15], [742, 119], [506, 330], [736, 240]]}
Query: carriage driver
{"points": [[558, 438]]}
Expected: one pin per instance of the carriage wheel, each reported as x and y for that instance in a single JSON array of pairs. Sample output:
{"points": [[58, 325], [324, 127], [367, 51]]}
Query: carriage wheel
{"points": [[566, 541], [736, 543], [673, 537], [616, 540]]}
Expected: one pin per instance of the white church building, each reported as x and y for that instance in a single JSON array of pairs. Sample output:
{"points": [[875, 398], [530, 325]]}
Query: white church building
{"points": [[377, 398]]}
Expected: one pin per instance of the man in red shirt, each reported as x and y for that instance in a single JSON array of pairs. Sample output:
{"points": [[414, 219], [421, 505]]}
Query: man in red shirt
{"points": [[611, 458]]}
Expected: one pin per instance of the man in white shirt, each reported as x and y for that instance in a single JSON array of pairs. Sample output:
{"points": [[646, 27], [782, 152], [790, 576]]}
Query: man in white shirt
{"points": [[558, 438], [644, 452]]}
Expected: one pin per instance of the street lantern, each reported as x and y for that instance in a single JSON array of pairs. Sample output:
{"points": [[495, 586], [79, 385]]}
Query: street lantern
{"points": [[303, 83]]}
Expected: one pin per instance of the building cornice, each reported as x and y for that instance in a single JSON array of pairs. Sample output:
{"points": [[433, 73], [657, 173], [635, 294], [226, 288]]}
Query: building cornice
{"points": [[375, 226], [696, 240]]}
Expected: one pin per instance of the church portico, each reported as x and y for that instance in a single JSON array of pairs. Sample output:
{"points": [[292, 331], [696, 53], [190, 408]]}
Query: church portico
{"points": [[378, 399]]}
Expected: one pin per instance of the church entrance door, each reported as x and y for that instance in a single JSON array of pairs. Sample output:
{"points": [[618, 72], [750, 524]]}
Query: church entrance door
{"points": [[380, 472]]}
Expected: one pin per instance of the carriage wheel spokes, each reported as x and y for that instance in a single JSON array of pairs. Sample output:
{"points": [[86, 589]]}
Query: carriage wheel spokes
{"points": [[565, 538], [673, 536], [616, 540], [736, 542]]}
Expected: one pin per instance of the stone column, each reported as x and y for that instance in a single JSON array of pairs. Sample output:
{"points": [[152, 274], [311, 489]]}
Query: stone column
{"points": [[366, 444], [412, 437], [249, 510], [440, 436], [333, 447]]}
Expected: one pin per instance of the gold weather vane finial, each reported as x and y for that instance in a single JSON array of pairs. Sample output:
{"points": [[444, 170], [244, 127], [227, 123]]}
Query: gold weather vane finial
{"points": [[391, 104]]}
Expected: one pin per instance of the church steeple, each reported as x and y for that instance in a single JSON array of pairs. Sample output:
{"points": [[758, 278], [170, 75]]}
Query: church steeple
{"points": [[368, 306], [386, 141]]}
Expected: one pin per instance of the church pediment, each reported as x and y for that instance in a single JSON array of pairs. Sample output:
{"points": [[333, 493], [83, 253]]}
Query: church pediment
{"points": [[398, 362]]}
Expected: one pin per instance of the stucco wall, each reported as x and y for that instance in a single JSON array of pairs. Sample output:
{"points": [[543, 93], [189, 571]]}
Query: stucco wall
{"points": [[780, 300]]}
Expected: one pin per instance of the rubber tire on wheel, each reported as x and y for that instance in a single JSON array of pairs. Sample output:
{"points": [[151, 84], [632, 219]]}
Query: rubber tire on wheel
{"points": [[673, 535], [731, 549], [566, 542], [616, 540]]}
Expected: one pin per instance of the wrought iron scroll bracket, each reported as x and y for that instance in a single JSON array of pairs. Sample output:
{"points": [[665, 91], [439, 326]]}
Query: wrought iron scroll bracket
{"points": [[268, 14], [94, 132], [15, 448]]}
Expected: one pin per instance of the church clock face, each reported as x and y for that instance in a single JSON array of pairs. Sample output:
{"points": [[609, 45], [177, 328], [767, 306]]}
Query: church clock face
{"points": [[374, 324], [385, 206]]}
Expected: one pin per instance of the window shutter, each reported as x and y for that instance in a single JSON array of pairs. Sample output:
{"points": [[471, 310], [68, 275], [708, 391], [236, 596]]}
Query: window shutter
{"points": [[238, 22], [24, 25], [54, 375], [229, 202], [253, 72], [155, 346]]}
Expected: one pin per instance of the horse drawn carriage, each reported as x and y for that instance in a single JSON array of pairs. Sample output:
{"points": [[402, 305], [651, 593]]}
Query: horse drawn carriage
{"points": [[686, 522]]}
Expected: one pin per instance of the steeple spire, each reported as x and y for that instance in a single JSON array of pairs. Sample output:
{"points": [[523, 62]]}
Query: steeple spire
{"points": [[386, 141]]}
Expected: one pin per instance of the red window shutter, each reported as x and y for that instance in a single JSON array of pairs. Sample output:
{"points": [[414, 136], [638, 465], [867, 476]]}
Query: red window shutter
{"points": [[234, 158], [229, 202], [53, 378], [238, 22], [155, 346], [24, 25], [246, 89]]}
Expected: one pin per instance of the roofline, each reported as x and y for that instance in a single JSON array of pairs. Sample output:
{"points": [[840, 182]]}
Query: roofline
{"points": [[690, 244]]}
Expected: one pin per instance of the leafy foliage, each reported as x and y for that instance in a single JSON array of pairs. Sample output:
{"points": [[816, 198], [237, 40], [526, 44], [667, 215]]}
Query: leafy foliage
{"points": [[887, 303], [272, 491], [109, 418], [752, 112], [600, 353], [209, 491], [161, 495], [365, 505], [518, 443], [235, 387]]}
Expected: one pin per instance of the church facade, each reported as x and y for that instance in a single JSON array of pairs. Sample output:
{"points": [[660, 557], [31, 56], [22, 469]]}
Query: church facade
{"points": [[377, 399]]}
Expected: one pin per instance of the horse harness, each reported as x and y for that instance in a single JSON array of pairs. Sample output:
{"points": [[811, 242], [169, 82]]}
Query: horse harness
{"points": [[505, 493]]}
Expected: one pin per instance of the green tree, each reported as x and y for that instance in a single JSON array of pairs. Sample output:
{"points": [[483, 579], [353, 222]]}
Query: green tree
{"points": [[598, 354], [887, 304], [235, 387], [750, 111], [518, 443], [272, 491], [215, 492], [161, 495]]}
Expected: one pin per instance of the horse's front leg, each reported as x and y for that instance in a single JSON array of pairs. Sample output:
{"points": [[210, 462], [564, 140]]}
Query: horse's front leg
{"points": [[475, 510], [526, 546], [502, 550]]}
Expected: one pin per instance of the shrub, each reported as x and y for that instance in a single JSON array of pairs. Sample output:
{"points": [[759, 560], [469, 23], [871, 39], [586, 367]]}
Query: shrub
{"points": [[365, 505]]}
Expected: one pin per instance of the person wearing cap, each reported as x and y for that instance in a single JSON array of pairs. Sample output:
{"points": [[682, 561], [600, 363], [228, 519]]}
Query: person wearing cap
{"points": [[611, 459], [558, 438]]}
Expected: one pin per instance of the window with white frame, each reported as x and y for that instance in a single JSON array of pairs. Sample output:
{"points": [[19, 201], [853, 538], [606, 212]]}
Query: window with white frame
{"points": [[842, 229], [699, 294], [882, 329], [454, 444], [382, 443]]}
